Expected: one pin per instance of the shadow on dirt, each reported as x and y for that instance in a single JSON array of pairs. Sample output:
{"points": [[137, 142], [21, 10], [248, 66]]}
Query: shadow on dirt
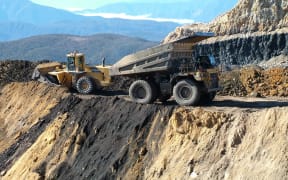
{"points": [[111, 93], [235, 103], [242, 104]]}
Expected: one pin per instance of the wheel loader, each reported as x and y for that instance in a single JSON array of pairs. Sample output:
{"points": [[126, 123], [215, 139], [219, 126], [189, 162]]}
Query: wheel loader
{"points": [[74, 74]]}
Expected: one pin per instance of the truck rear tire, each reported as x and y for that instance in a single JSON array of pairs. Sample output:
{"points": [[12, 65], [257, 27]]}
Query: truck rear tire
{"points": [[186, 93], [142, 92], [85, 85]]}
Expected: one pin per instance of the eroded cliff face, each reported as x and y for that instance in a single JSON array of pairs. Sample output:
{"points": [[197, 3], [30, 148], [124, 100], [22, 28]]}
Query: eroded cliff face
{"points": [[242, 49], [248, 16], [253, 31], [252, 16]]}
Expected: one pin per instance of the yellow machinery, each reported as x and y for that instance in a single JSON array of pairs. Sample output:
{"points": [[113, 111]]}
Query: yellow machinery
{"points": [[75, 74]]}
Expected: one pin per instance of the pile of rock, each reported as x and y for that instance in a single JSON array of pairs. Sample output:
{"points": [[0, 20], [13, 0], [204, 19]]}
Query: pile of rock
{"points": [[255, 81], [16, 71], [263, 83]]}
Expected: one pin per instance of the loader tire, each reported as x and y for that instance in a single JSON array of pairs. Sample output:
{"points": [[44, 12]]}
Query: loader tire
{"points": [[85, 85], [186, 93], [142, 92]]}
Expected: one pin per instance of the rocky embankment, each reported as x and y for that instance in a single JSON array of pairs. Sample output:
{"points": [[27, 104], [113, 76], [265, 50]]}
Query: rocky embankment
{"points": [[252, 16], [47, 133], [255, 81], [245, 49], [16, 71], [251, 32], [248, 16]]}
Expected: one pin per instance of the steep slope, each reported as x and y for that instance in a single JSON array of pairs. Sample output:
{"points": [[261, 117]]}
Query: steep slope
{"points": [[252, 16], [55, 47], [21, 116], [109, 138], [247, 17], [245, 49], [221, 145]]}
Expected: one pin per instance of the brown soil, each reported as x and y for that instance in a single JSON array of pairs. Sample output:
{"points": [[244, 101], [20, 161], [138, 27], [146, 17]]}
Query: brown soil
{"points": [[255, 81], [49, 133], [107, 137]]}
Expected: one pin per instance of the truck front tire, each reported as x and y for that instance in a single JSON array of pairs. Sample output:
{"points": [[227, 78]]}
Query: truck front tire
{"points": [[186, 93], [142, 92], [85, 85]]}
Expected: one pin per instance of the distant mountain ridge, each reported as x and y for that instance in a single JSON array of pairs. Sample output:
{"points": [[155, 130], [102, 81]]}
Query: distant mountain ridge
{"points": [[22, 18], [198, 10], [55, 47], [28, 12]]}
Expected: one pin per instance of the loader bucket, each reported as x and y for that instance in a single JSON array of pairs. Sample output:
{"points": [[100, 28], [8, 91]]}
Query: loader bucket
{"points": [[41, 72]]}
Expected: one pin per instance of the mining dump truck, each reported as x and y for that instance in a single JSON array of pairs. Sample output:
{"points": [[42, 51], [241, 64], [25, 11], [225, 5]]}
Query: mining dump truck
{"points": [[170, 70], [74, 74]]}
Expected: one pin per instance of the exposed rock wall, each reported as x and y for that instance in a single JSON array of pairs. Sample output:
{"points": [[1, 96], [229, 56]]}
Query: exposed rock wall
{"points": [[252, 16], [253, 31], [246, 49]]}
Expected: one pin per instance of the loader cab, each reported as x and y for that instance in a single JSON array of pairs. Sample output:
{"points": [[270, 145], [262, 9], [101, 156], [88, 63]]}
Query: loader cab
{"points": [[75, 62]]}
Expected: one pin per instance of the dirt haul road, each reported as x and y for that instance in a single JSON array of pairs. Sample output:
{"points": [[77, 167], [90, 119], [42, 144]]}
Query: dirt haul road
{"points": [[48, 133]]}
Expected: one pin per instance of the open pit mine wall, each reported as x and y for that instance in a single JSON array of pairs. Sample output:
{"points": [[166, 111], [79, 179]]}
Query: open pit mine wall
{"points": [[245, 49], [110, 138]]}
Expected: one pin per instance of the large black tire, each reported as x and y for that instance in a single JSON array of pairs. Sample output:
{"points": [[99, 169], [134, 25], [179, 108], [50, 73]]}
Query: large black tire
{"points": [[141, 91], [85, 85], [186, 93]]}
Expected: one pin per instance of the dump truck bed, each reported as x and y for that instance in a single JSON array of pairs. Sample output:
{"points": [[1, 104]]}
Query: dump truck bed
{"points": [[157, 58]]}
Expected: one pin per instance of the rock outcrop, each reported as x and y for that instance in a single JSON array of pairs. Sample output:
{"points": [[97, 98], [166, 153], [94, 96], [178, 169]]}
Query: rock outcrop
{"points": [[252, 16], [253, 31], [242, 49]]}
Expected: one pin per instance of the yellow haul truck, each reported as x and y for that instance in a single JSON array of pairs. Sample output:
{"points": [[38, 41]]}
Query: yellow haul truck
{"points": [[159, 73]]}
